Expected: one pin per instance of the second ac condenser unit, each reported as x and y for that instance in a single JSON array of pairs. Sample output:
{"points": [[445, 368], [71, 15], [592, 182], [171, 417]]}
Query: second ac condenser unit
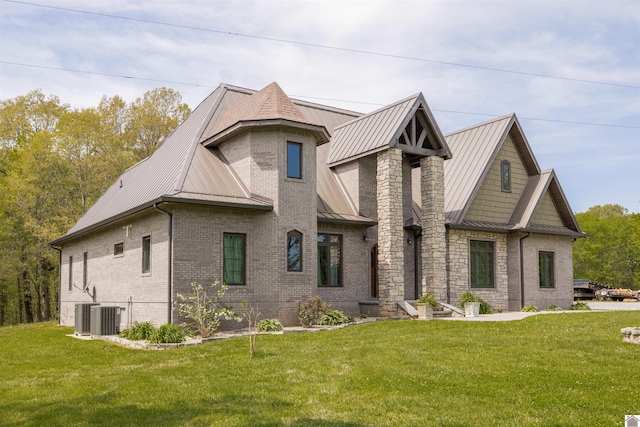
{"points": [[105, 320]]}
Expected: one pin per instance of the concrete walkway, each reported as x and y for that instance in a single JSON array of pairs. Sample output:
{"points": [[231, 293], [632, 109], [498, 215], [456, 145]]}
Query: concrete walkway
{"points": [[518, 315]]}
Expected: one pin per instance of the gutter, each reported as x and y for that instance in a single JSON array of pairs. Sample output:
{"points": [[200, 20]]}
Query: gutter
{"points": [[152, 204], [522, 271], [59, 249], [169, 260]]}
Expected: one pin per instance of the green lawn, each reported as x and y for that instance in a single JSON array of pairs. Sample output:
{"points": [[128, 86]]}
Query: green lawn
{"points": [[556, 369]]}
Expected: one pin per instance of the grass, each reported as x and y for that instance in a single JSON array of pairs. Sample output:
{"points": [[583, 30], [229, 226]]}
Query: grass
{"points": [[554, 369]]}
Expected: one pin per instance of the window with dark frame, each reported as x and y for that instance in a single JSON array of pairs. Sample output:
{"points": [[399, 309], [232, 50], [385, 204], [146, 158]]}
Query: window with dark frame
{"points": [[234, 250], [545, 269], [329, 260], [294, 160], [146, 254], [70, 273], [481, 265], [505, 167], [118, 249], [85, 259], [294, 251]]}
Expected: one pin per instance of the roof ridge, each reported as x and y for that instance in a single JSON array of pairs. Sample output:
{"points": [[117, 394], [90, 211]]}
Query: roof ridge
{"points": [[379, 110], [485, 123]]}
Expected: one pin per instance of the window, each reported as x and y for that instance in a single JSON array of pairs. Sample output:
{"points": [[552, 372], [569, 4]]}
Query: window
{"points": [[294, 160], [85, 258], [481, 264], [70, 273], [294, 251], [329, 260], [146, 254], [505, 167], [234, 258], [545, 269], [118, 249]]}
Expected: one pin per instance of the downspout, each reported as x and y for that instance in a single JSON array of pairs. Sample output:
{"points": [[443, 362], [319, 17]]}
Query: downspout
{"points": [[522, 271], [416, 262], [59, 249], [169, 260], [447, 261]]}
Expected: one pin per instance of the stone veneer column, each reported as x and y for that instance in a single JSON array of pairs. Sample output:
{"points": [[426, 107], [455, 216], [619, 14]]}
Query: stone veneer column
{"points": [[434, 246], [390, 231]]}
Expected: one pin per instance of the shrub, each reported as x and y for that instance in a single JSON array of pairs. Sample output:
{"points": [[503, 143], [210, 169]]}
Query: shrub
{"points": [[334, 317], [269, 325], [428, 299], [138, 331], [529, 308], [552, 307], [468, 296], [579, 305], [168, 333], [204, 310], [311, 310]]}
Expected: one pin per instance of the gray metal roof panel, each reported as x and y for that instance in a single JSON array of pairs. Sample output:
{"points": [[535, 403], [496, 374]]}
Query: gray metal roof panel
{"points": [[473, 150], [331, 194], [156, 176], [368, 133]]}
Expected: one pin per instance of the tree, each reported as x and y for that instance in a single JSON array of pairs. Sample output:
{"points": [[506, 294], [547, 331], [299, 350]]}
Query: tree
{"points": [[152, 118], [55, 161], [611, 253]]}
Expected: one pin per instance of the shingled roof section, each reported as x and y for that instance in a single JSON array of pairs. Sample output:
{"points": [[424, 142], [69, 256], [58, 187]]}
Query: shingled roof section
{"points": [[267, 104]]}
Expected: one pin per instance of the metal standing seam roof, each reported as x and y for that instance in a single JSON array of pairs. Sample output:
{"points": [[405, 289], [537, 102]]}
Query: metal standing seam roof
{"points": [[474, 150], [378, 130], [536, 188], [181, 169], [153, 177]]}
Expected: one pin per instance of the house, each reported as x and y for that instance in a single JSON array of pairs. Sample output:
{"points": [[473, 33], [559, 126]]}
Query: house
{"points": [[285, 199]]}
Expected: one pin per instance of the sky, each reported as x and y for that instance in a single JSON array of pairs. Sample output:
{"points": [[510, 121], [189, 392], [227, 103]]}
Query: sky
{"points": [[570, 69]]}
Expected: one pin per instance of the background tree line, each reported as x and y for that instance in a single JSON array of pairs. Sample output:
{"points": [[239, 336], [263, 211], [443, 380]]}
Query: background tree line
{"points": [[55, 161], [611, 253]]}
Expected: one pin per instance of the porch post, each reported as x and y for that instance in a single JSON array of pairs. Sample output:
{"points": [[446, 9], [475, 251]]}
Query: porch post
{"points": [[390, 231], [434, 247]]}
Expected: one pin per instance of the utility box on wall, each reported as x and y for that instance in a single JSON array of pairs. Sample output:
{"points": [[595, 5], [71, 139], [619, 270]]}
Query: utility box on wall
{"points": [[82, 318], [105, 320]]}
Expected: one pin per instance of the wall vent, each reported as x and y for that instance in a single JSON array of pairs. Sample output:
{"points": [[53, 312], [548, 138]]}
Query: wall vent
{"points": [[105, 320], [83, 318]]}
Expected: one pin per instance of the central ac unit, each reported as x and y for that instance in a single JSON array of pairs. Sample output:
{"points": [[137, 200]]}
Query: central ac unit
{"points": [[83, 318], [105, 320]]}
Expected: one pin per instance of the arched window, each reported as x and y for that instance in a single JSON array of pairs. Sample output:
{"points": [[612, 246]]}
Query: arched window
{"points": [[294, 251], [506, 176]]}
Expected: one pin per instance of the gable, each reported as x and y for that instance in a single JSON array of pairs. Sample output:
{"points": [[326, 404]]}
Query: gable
{"points": [[547, 213], [490, 203], [407, 124]]}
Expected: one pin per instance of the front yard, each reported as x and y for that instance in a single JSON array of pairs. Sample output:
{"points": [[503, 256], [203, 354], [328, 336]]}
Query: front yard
{"points": [[554, 369]]}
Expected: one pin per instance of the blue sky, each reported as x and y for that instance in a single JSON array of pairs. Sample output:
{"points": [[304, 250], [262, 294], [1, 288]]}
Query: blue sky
{"points": [[449, 50]]}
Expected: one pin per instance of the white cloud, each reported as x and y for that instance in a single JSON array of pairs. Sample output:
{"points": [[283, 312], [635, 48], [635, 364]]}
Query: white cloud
{"points": [[587, 40]]}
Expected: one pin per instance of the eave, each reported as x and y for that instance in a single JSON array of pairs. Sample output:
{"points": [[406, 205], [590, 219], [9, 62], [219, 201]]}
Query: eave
{"points": [[149, 206], [319, 132]]}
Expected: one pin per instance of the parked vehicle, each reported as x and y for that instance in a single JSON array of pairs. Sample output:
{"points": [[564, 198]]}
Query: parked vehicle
{"points": [[586, 289], [617, 294]]}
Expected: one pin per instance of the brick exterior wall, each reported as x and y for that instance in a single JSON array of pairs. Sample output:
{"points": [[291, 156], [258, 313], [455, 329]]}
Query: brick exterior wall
{"points": [[116, 278], [562, 293], [355, 270]]}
